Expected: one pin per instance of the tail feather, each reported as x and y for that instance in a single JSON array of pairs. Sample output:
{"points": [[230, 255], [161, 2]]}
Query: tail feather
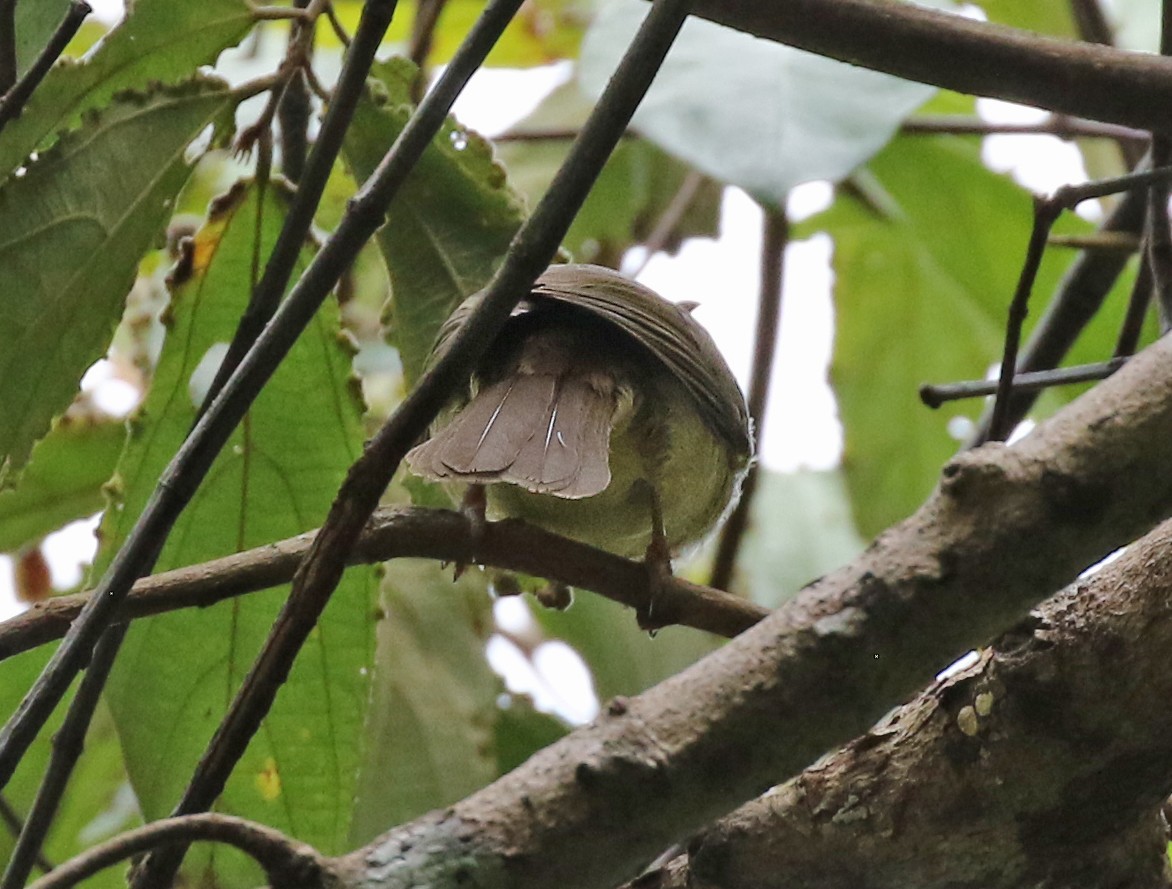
{"points": [[569, 454], [548, 434]]}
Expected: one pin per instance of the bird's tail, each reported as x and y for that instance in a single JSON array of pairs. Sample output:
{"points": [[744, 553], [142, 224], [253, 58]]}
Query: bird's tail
{"points": [[548, 433]]}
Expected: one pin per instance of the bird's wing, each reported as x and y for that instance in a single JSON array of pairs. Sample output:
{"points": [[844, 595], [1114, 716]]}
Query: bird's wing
{"points": [[668, 331]]}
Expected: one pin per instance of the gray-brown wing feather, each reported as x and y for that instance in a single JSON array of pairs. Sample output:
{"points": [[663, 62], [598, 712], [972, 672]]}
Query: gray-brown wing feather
{"points": [[668, 331], [546, 434]]}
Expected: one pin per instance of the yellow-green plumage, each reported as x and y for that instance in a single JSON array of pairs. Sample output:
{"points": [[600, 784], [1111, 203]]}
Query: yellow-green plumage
{"points": [[597, 393]]}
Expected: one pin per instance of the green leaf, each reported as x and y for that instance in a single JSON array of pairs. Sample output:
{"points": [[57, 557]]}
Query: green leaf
{"points": [[801, 528], [276, 478], [63, 480], [430, 737], [522, 730], [1044, 18], [35, 24], [159, 42], [103, 807], [543, 31], [450, 225], [634, 189], [708, 104], [923, 280], [623, 659], [72, 230]]}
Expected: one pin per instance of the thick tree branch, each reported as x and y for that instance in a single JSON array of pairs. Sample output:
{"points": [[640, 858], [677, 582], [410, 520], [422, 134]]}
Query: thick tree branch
{"points": [[1045, 764], [404, 533], [825, 666], [979, 58]]}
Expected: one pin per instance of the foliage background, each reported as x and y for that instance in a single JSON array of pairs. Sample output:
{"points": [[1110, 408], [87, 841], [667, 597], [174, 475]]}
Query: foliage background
{"points": [[396, 709]]}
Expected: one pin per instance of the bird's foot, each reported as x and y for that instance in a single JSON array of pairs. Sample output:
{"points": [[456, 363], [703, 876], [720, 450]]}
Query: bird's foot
{"points": [[472, 507], [657, 561]]}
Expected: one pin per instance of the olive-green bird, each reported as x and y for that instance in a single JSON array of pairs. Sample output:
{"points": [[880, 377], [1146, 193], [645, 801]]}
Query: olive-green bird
{"points": [[600, 411]]}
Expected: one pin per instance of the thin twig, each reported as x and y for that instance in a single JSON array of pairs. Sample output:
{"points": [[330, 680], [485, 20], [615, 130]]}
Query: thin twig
{"points": [[669, 220], [1081, 293], [1159, 232], [280, 13], [17, 97], [68, 743], [934, 395], [336, 24], [402, 533], [1122, 242], [1055, 125], [14, 823], [8, 61], [1137, 309], [427, 16], [1046, 212], [285, 861], [1091, 23], [769, 301], [547, 134], [376, 18], [1092, 26], [530, 253], [1159, 237], [294, 109]]}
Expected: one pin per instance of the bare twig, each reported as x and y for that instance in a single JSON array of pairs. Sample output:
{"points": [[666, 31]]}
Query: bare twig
{"points": [[427, 15], [1081, 293], [1045, 214], [266, 296], [18, 95], [15, 824], [1091, 23], [336, 24], [1159, 232], [1137, 308], [1055, 125], [934, 395], [403, 533], [294, 109], [68, 743], [1046, 211], [773, 244], [285, 861], [1121, 242], [671, 217], [8, 62]]}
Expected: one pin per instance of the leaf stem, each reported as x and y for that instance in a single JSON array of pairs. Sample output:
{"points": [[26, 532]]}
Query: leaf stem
{"points": [[774, 241]]}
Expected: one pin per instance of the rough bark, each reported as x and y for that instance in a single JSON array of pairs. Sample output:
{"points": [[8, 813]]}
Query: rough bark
{"points": [[979, 58], [1046, 763]]}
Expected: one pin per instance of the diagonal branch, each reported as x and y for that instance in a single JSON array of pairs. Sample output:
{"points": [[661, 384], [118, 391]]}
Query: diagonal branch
{"points": [[979, 58]]}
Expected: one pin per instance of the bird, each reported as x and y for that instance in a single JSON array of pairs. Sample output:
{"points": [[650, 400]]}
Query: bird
{"points": [[602, 412]]}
